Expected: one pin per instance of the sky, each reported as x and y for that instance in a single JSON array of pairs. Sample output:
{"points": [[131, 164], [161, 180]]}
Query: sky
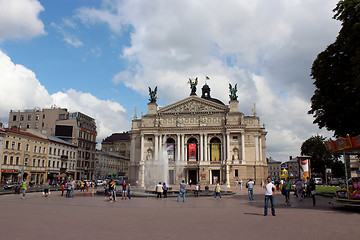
{"points": [[100, 56]]}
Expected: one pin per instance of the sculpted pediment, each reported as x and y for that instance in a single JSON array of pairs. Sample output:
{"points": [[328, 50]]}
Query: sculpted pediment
{"points": [[193, 105]]}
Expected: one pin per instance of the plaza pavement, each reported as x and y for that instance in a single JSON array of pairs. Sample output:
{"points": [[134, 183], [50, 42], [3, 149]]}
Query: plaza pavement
{"points": [[232, 217]]}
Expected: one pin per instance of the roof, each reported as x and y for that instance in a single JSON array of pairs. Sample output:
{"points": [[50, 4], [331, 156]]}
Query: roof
{"points": [[117, 137], [19, 131]]}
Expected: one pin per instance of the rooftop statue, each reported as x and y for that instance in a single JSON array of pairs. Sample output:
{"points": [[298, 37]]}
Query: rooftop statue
{"points": [[152, 95], [233, 91], [193, 84]]}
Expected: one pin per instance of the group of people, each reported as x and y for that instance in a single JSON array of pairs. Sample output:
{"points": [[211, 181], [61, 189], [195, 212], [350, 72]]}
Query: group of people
{"points": [[111, 191], [161, 189], [302, 190]]}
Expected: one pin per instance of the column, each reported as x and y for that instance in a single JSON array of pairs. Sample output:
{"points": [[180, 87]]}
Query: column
{"points": [[132, 156], [160, 146], [260, 149], [224, 148], [142, 148], [142, 175], [243, 146], [227, 175], [182, 147], [201, 147], [210, 177], [178, 147], [156, 147], [205, 148], [256, 149], [228, 146]]}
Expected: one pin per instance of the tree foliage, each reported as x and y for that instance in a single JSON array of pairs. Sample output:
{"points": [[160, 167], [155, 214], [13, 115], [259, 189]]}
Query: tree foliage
{"points": [[321, 158], [336, 71]]}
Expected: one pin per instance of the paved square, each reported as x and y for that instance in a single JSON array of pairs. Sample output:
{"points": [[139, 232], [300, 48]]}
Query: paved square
{"points": [[232, 217]]}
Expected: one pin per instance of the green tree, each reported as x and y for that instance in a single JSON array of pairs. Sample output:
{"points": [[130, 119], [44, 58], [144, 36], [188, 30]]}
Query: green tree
{"points": [[336, 71], [321, 158]]}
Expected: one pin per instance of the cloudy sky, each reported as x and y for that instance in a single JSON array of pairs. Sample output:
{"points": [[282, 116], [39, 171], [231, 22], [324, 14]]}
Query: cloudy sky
{"points": [[100, 57]]}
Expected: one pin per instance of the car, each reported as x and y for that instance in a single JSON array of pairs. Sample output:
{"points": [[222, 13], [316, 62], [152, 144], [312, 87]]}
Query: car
{"points": [[318, 181], [334, 181], [11, 186]]}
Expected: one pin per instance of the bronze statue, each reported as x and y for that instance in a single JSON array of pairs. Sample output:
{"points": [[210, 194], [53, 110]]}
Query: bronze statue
{"points": [[152, 95], [193, 86], [233, 91]]}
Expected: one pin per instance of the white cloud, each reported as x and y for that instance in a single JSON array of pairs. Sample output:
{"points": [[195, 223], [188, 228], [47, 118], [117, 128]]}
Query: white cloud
{"points": [[266, 47], [20, 89], [68, 37], [20, 19]]}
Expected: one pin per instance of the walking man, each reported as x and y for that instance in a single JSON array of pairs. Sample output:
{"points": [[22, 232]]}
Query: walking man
{"points": [[250, 186], [159, 190], [217, 190], [182, 191], [24, 187], [269, 194]]}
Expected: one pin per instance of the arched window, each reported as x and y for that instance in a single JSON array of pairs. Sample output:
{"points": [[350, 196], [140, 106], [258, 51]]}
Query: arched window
{"points": [[215, 149], [170, 149], [192, 150]]}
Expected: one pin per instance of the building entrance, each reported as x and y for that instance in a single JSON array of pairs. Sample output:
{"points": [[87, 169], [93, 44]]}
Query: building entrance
{"points": [[215, 176], [192, 177]]}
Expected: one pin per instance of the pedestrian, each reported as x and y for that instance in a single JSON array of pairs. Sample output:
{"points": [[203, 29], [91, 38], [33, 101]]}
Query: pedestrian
{"points": [[114, 191], [299, 189], [68, 189], [182, 190], [24, 186], [312, 191], [62, 189], [250, 186], [165, 190], [217, 190], [159, 190], [46, 190], [241, 183], [286, 190], [197, 190], [111, 190], [128, 190], [124, 192], [308, 191], [269, 194], [237, 184], [72, 194]]}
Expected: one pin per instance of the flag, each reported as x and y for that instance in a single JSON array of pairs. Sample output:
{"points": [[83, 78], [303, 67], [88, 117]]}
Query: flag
{"points": [[207, 78]]}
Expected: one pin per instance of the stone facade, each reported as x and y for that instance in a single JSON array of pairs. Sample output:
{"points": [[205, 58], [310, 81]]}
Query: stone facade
{"points": [[202, 140]]}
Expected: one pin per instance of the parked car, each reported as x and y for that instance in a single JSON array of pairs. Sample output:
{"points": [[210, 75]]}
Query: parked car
{"points": [[334, 181], [11, 186], [318, 181]]}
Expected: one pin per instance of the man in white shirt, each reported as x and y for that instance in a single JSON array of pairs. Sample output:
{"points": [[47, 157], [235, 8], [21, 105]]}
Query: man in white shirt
{"points": [[269, 194]]}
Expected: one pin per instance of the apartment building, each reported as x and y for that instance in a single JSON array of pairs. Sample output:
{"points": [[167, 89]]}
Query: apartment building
{"points": [[75, 128]]}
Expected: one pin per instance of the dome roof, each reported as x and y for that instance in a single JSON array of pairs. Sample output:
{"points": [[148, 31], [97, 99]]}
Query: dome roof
{"points": [[206, 95]]}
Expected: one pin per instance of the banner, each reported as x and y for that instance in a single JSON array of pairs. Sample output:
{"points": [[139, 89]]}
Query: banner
{"points": [[170, 151], [192, 152], [304, 168], [215, 152]]}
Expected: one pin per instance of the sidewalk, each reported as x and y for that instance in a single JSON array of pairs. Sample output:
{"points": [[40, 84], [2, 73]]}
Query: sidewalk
{"points": [[232, 217]]}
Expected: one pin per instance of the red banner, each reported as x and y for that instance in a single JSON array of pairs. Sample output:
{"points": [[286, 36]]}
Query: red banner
{"points": [[192, 151]]}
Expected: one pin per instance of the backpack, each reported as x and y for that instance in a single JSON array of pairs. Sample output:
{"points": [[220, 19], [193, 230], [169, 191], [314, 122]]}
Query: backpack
{"points": [[247, 185]]}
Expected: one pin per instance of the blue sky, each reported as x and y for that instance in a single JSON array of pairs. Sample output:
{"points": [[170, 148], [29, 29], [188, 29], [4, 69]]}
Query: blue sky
{"points": [[100, 57]]}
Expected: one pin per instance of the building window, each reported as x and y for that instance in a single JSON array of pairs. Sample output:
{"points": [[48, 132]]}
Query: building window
{"points": [[29, 117], [26, 162], [34, 162], [28, 125], [235, 137], [17, 160], [14, 118], [34, 149], [5, 159], [7, 144], [43, 163], [236, 173], [21, 126], [39, 149], [37, 117], [39, 163], [21, 117], [19, 146], [12, 145], [36, 125], [27, 148]]}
